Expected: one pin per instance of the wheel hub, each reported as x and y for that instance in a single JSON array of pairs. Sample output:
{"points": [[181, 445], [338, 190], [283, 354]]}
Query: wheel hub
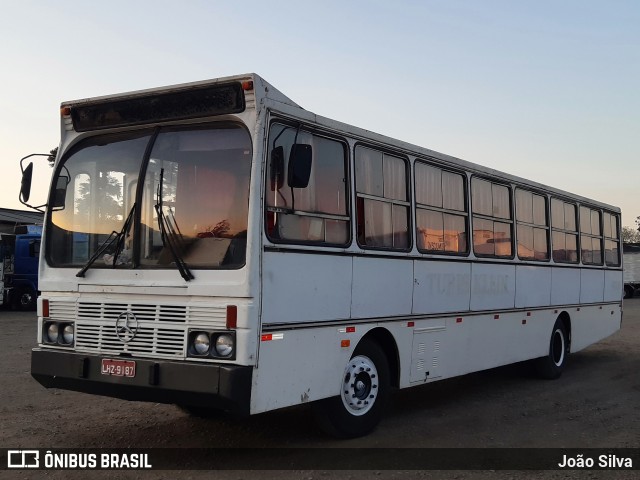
{"points": [[360, 386]]}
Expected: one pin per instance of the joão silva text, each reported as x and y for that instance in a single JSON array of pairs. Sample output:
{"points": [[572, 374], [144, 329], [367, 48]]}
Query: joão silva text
{"points": [[604, 461]]}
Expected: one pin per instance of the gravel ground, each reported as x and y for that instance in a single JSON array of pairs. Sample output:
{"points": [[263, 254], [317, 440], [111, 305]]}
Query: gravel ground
{"points": [[595, 404]]}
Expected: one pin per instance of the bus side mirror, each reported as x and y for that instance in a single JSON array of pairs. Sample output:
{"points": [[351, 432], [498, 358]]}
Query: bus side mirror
{"points": [[34, 248], [277, 168], [25, 186], [299, 165]]}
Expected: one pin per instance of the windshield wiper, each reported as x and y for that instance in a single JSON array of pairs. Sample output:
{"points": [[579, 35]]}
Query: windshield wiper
{"points": [[117, 238], [168, 234]]}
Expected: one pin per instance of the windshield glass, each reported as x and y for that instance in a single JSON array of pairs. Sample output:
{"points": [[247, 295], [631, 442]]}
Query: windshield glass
{"points": [[204, 173]]}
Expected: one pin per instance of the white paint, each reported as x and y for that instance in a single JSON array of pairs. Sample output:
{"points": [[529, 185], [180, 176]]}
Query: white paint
{"points": [[300, 287], [533, 286], [565, 286], [613, 285], [592, 286], [441, 287], [493, 287], [381, 287]]}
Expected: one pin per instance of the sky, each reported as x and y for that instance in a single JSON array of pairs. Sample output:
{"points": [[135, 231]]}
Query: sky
{"points": [[547, 90]]}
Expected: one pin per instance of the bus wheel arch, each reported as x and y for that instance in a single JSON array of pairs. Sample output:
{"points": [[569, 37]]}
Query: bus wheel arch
{"points": [[552, 365], [566, 321], [365, 388], [386, 341]]}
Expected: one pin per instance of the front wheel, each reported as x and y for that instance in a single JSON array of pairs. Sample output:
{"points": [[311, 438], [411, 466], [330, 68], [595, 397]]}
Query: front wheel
{"points": [[364, 391], [26, 299], [552, 365]]}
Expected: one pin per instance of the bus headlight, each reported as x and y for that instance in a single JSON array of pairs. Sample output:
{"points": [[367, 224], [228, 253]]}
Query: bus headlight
{"points": [[224, 345], [68, 334], [201, 344], [212, 345], [58, 333], [51, 332]]}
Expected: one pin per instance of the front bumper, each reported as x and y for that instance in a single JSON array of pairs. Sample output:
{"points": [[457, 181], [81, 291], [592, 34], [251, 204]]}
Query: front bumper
{"points": [[226, 387]]}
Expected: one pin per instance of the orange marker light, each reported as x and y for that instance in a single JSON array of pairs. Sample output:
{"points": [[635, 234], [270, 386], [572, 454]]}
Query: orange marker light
{"points": [[345, 343], [247, 85], [65, 111], [45, 308]]}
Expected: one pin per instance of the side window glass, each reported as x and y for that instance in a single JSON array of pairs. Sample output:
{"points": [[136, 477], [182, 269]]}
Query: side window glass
{"points": [[318, 213], [532, 227], [564, 234], [441, 216], [611, 240], [382, 204], [492, 221], [590, 236]]}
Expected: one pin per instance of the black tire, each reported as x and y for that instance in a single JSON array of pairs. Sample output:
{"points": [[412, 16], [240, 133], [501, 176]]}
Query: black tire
{"points": [[25, 299], [551, 366], [628, 291], [364, 394]]}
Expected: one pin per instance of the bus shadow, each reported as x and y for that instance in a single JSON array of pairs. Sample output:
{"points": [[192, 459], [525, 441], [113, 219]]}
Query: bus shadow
{"points": [[442, 404]]}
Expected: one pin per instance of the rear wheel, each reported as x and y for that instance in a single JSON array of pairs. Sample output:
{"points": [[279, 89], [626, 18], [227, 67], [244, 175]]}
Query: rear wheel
{"points": [[552, 365], [364, 391]]}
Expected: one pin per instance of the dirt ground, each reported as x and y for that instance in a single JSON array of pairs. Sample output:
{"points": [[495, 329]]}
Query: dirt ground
{"points": [[596, 403]]}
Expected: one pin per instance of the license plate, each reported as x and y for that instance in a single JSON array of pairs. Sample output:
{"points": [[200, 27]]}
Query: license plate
{"points": [[118, 368]]}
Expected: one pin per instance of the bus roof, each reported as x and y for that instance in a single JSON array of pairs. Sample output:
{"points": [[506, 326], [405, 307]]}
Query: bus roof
{"points": [[278, 101]]}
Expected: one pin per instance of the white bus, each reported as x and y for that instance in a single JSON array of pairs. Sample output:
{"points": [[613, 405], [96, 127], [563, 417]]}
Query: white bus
{"points": [[216, 246]]}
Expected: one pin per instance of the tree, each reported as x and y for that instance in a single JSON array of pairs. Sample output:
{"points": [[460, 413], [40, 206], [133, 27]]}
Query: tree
{"points": [[107, 189], [52, 156], [630, 234]]}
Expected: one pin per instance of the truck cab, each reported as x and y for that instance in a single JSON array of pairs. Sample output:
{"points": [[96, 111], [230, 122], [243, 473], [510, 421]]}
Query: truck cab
{"points": [[20, 255]]}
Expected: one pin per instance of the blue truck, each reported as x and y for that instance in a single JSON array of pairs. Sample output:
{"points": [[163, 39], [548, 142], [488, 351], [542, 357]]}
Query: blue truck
{"points": [[20, 253]]}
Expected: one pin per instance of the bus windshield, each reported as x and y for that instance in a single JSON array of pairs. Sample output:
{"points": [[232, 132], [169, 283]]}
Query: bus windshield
{"points": [[196, 179]]}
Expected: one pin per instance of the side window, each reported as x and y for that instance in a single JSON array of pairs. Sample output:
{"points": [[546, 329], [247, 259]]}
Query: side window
{"points": [[611, 240], [564, 231], [441, 211], [590, 236], [318, 213], [532, 226], [492, 220], [34, 248], [381, 200]]}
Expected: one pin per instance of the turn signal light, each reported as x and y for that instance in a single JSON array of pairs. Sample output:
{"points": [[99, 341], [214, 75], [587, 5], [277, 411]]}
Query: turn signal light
{"points": [[248, 85]]}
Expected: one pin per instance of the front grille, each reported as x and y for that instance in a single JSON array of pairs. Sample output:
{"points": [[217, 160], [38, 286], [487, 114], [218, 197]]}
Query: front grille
{"points": [[161, 327], [152, 313], [149, 340]]}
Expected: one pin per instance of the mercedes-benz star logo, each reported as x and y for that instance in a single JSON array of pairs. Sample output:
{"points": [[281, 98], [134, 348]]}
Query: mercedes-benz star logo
{"points": [[126, 327]]}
